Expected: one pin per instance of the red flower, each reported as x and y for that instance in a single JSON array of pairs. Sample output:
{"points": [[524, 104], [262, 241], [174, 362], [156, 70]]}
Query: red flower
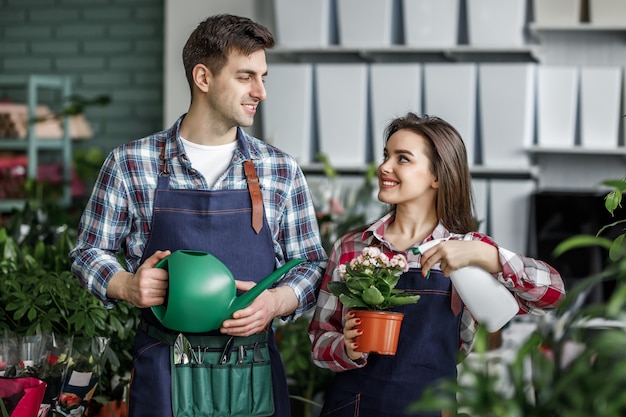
{"points": [[52, 359], [69, 399]]}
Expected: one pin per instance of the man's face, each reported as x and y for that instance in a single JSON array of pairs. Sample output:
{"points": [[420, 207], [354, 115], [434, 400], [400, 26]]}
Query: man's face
{"points": [[238, 89]]}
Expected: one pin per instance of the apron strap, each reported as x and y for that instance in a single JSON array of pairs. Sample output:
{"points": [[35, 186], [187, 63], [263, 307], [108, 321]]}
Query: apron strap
{"points": [[255, 195]]}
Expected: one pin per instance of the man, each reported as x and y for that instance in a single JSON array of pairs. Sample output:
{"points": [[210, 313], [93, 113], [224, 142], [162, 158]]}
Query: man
{"points": [[204, 184]]}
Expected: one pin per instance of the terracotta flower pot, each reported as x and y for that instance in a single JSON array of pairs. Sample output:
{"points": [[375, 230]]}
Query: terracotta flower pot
{"points": [[380, 331]]}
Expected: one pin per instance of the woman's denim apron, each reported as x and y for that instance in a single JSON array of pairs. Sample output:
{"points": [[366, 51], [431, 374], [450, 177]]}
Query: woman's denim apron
{"points": [[387, 385], [218, 222]]}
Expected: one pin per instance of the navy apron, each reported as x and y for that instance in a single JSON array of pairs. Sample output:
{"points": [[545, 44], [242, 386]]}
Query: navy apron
{"points": [[388, 384], [219, 222]]}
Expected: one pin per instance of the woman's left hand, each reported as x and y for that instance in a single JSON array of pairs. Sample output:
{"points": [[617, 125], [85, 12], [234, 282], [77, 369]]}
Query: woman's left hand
{"points": [[454, 254]]}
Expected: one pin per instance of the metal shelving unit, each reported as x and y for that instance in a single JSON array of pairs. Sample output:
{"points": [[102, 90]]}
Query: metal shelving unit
{"points": [[32, 145]]}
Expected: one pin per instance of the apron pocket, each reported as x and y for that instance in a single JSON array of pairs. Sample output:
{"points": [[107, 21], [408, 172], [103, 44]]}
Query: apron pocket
{"points": [[221, 390], [240, 395], [262, 389], [232, 382], [182, 391]]}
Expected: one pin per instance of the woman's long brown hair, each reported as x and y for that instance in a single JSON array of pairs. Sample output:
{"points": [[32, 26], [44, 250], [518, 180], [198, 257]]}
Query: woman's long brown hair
{"points": [[448, 158]]}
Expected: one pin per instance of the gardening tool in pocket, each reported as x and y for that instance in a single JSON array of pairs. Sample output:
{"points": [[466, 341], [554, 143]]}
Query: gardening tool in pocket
{"points": [[221, 376]]}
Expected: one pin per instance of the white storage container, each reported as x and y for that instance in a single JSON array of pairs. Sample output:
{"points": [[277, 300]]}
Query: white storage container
{"points": [[557, 12], [342, 113], [287, 113], [303, 23], [496, 22], [431, 23]]}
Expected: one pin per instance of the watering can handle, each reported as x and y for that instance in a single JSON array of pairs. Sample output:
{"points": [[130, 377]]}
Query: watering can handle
{"points": [[245, 299]]}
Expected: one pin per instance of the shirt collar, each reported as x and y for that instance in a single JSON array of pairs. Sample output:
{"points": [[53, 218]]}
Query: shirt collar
{"points": [[245, 149], [376, 232]]}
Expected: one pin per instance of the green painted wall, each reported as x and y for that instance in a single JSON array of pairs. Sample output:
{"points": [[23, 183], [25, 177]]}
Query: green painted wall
{"points": [[112, 47]]}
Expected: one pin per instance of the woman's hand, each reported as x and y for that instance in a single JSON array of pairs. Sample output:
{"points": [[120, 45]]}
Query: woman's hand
{"points": [[454, 254], [350, 332]]}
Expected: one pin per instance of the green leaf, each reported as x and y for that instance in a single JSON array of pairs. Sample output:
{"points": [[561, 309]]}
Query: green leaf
{"points": [[400, 300], [351, 302], [373, 296], [580, 241], [618, 249], [613, 200], [358, 284], [617, 184], [338, 287]]}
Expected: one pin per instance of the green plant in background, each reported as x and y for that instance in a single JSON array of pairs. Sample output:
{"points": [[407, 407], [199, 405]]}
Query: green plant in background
{"points": [[340, 210], [305, 379], [574, 365], [40, 295]]}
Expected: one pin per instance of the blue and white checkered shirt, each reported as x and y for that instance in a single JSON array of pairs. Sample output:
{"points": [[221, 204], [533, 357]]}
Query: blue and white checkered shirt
{"points": [[118, 214]]}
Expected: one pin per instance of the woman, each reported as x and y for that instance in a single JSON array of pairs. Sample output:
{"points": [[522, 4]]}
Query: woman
{"points": [[426, 180]]}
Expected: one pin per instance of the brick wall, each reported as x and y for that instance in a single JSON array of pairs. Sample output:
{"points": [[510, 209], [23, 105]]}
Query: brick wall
{"points": [[112, 47]]}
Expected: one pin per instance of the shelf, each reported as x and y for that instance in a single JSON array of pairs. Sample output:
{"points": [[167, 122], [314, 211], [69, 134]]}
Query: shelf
{"points": [[577, 150], [334, 53], [32, 145], [9, 205], [581, 27], [476, 171], [22, 144]]}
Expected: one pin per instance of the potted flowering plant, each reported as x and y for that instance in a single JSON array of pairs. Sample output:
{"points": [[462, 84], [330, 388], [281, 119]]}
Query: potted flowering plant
{"points": [[368, 286]]}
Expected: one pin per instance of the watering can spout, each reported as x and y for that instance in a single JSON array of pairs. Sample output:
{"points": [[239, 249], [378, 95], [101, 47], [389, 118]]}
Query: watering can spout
{"points": [[246, 298], [202, 291]]}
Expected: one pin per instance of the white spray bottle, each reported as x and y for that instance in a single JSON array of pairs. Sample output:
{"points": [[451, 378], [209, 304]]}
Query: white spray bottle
{"points": [[489, 301]]}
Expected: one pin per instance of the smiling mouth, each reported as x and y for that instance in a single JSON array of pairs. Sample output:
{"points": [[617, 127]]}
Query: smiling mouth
{"points": [[387, 183]]}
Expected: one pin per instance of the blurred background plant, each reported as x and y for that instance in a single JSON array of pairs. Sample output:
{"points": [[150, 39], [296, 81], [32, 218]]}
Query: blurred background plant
{"points": [[343, 204], [41, 297], [307, 382], [573, 364]]}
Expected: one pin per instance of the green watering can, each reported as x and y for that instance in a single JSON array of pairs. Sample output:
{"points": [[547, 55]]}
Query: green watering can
{"points": [[202, 291]]}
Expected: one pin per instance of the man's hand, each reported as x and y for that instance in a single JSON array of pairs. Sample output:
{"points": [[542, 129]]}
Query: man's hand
{"points": [[146, 288], [258, 316]]}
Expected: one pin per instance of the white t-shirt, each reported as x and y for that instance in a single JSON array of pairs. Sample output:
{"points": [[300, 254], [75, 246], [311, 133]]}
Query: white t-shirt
{"points": [[210, 161]]}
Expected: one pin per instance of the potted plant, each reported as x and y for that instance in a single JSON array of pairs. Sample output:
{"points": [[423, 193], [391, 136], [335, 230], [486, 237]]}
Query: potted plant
{"points": [[368, 287], [40, 298]]}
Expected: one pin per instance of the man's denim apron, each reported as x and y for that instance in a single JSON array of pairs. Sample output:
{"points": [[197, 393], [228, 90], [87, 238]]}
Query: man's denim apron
{"points": [[387, 385], [218, 222]]}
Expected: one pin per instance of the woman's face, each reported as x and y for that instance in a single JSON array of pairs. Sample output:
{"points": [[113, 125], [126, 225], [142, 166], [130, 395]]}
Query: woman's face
{"points": [[405, 175]]}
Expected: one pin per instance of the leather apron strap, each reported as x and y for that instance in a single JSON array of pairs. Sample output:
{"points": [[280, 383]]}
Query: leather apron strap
{"points": [[255, 195]]}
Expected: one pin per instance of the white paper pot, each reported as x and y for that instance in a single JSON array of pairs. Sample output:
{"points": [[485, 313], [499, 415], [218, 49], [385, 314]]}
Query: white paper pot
{"points": [[288, 110], [365, 23], [496, 22], [557, 12], [607, 12], [450, 93], [557, 105], [600, 96], [480, 188], [342, 113], [431, 23], [507, 103], [395, 90], [303, 23], [509, 212]]}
